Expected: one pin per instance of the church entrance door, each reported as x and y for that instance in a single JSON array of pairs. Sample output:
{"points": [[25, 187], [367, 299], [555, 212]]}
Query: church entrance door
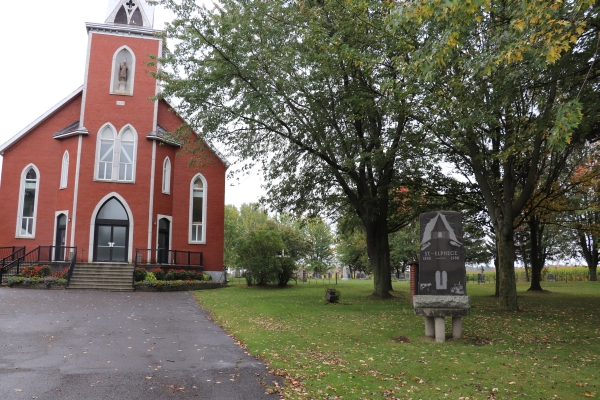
{"points": [[111, 233], [61, 237], [164, 226]]}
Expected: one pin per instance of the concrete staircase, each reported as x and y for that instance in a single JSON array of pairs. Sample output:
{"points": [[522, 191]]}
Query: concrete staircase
{"points": [[99, 276]]}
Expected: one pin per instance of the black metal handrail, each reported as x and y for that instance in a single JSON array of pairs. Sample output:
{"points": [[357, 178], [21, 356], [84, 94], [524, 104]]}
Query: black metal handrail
{"points": [[179, 258], [73, 260], [6, 253], [9, 254], [41, 254]]}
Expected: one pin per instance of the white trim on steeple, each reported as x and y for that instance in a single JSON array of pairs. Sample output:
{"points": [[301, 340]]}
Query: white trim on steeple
{"points": [[146, 9]]}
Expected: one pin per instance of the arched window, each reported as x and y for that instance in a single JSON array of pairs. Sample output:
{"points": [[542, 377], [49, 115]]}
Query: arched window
{"points": [[136, 18], [121, 17], [123, 72], [64, 172], [127, 155], [30, 182], [198, 210], [105, 153], [166, 182]]}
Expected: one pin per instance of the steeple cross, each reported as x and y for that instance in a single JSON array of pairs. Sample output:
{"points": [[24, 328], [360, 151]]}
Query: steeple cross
{"points": [[130, 4]]}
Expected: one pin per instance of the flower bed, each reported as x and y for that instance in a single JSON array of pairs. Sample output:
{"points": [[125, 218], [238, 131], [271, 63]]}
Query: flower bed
{"points": [[39, 277], [172, 281], [35, 282], [173, 286]]}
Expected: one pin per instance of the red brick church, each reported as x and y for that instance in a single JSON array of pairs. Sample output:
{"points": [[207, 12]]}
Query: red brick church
{"points": [[99, 176]]}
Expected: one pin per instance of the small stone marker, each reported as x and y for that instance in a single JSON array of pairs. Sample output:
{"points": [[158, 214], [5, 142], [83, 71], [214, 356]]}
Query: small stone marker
{"points": [[442, 276], [345, 274], [480, 278], [551, 278]]}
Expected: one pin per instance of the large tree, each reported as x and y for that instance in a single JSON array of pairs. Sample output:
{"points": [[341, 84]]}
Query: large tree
{"points": [[313, 90], [507, 85]]}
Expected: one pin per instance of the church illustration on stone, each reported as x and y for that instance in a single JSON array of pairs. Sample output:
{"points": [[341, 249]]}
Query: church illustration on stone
{"points": [[99, 176]]}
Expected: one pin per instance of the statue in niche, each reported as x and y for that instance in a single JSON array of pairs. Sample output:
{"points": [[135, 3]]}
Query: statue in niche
{"points": [[123, 76]]}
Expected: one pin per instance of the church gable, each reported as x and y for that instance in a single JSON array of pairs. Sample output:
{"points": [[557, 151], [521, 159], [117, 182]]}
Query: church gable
{"points": [[62, 118]]}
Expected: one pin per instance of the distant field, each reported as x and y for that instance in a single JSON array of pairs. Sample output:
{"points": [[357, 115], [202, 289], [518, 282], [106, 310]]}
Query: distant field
{"points": [[563, 274], [373, 349]]}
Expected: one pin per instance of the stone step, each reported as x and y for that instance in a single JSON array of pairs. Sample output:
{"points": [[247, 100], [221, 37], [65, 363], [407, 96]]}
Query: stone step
{"points": [[106, 277]]}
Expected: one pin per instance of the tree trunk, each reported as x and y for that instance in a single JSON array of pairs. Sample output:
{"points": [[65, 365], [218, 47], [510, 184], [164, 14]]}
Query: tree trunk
{"points": [[536, 267], [497, 265], [590, 253], [507, 299], [378, 248]]}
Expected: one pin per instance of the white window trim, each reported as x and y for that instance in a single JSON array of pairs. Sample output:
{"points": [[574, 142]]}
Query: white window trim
{"points": [[116, 154], [64, 171], [35, 205], [170, 219], [98, 147], [166, 180], [131, 72], [93, 225], [56, 214], [191, 211]]}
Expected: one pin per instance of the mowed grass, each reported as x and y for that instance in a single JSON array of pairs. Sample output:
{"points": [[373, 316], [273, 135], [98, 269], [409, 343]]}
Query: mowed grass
{"points": [[364, 348]]}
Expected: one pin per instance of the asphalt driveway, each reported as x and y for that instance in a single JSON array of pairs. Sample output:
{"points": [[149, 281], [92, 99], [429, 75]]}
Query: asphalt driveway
{"points": [[57, 344]]}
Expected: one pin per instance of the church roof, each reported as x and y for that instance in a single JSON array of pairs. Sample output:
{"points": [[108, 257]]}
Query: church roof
{"points": [[163, 135], [40, 120]]}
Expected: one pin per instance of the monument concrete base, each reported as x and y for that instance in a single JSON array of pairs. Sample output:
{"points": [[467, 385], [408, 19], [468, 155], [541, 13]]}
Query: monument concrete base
{"points": [[436, 308]]}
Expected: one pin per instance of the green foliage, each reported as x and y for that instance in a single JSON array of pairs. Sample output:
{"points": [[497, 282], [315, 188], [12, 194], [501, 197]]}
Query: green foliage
{"points": [[50, 281], [139, 274], [176, 284], [261, 250], [185, 275], [12, 280], [159, 274], [37, 271], [511, 93], [150, 277], [267, 249], [404, 246], [319, 257], [314, 92]]}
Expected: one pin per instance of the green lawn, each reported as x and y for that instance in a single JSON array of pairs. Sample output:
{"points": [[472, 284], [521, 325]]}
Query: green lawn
{"points": [[371, 349]]}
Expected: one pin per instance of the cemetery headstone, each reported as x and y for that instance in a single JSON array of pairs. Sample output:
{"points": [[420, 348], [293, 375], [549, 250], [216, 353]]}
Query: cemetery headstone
{"points": [[441, 289], [551, 278], [345, 274], [442, 256]]}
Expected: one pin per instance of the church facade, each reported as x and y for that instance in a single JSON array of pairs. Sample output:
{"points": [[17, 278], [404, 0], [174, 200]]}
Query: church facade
{"points": [[99, 170]]}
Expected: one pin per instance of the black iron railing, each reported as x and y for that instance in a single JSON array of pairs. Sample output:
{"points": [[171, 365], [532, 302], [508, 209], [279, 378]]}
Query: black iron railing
{"points": [[8, 255], [176, 258], [43, 254]]}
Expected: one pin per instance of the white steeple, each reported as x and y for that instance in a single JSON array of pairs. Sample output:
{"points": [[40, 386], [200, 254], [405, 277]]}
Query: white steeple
{"points": [[130, 12]]}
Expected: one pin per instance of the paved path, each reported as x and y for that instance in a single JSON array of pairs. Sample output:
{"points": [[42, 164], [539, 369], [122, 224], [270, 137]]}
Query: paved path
{"points": [[57, 344]]}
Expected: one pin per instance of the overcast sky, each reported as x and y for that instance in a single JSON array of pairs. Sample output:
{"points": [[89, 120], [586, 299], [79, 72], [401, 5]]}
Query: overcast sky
{"points": [[45, 44]]}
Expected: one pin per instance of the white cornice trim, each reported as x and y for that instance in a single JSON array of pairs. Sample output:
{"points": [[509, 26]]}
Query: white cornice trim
{"points": [[38, 121], [130, 29]]}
